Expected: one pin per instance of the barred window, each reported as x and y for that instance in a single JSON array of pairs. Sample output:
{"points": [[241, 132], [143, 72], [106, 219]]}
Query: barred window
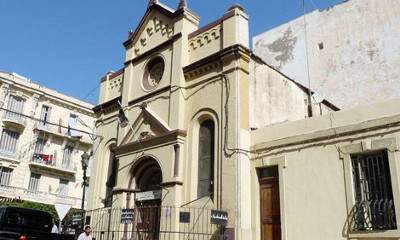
{"points": [[374, 206], [34, 182], [63, 187], [9, 142], [67, 156], [206, 159], [5, 176]]}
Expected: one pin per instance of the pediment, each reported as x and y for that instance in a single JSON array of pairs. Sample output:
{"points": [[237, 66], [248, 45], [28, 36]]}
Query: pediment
{"points": [[156, 26], [146, 125]]}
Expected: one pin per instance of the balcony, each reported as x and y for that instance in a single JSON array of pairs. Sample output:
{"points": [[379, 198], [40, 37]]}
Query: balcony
{"points": [[46, 162], [37, 196], [15, 120], [62, 133], [8, 154]]}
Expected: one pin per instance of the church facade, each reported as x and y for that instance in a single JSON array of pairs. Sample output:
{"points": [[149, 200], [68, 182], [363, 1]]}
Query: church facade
{"points": [[203, 140]]}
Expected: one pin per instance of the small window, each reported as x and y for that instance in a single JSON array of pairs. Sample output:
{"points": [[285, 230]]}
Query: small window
{"points": [[206, 159], [9, 142], [63, 187], [374, 206], [72, 125], [34, 182], [320, 46], [5, 176]]}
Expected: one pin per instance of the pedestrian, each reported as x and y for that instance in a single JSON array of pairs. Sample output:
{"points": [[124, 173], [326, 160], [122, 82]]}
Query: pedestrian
{"points": [[85, 235], [55, 228]]}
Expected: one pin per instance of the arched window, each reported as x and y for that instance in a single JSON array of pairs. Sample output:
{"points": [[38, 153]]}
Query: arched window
{"points": [[111, 177], [206, 159]]}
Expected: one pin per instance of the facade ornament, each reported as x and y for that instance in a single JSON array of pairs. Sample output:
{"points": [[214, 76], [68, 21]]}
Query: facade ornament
{"points": [[4, 91], [49, 140], [151, 3], [76, 147], [182, 4], [34, 104]]}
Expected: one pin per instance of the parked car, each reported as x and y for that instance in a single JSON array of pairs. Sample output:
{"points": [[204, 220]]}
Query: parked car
{"points": [[27, 224]]}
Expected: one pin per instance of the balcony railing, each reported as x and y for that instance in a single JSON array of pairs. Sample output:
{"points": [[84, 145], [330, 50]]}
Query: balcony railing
{"points": [[48, 161], [8, 154], [15, 117], [43, 159], [374, 215], [38, 196]]}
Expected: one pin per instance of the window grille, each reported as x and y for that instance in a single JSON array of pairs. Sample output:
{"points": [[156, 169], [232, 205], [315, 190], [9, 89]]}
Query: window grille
{"points": [[5, 176], [9, 142], [39, 146], [63, 187], [16, 107], [34, 182], [67, 156], [374, 207], [206, 159]]}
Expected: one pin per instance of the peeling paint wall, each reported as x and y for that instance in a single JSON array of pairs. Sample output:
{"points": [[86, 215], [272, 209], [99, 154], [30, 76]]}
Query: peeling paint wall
{"points": [[354, 51], [274, 99]]}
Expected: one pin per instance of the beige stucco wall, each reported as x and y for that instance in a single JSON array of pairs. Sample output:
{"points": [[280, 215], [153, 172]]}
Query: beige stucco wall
{"points": [[61, 106], [315, 172]]}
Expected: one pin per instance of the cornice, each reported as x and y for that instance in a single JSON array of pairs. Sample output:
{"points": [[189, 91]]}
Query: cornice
{"points": [[150, 141], [107, 104]]}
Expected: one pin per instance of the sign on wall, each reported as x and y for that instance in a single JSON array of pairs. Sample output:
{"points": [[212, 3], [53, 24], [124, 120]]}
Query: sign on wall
{"points": [[150, 195], [76, 219], [219, 217], [184, 217], [127, 215]]}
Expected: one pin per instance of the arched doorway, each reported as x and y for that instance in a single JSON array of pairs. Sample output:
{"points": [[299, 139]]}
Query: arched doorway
{"points": [[148, 179]]}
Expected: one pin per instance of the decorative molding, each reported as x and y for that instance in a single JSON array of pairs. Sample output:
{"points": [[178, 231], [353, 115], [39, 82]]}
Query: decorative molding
{"points": [[115, 82], [204, 39], [147, 96], [107, 104], [4, 91], [48, 142], [171, 183], [154, 26], [35, 100]]}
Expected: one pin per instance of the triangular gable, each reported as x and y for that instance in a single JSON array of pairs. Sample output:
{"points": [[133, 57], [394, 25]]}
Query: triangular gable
{"points": [[156, 24], [147, 124]]}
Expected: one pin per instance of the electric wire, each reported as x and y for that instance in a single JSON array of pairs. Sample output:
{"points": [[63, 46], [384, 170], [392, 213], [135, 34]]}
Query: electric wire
{"points": [[50, 123], [307, 60]]}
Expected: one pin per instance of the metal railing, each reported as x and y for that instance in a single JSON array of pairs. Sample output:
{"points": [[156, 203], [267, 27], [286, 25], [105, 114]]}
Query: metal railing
{"points": [[372, 215], [15, 117], [155, 223], [38, 196]]}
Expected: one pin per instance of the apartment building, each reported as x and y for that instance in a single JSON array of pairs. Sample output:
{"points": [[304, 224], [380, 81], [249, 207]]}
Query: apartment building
{"points": [[43, 135]]}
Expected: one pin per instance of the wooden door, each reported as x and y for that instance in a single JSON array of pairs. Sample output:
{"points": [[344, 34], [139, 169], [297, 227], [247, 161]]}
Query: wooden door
{"points": [[270, 209]]}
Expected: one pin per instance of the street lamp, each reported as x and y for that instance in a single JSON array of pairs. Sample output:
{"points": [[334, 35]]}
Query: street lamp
{"points": [[85, 162]]}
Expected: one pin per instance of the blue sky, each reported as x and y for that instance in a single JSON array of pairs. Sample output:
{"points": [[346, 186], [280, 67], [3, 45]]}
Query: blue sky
{"points": [[69, 45]]}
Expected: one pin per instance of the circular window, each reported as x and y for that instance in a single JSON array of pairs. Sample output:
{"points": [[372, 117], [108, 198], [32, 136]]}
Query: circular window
{"points": [[153, 73]]}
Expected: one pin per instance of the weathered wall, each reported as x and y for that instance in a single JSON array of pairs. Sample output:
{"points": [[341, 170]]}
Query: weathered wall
{"points": [[359, 60], [275, 99]]}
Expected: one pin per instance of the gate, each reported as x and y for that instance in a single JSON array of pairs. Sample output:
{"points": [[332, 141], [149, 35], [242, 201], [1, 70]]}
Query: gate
{"points": [[154, 223]]}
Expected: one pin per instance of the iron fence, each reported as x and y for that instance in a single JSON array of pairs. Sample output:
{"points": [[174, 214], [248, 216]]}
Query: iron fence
{"points": [[154, 223]]}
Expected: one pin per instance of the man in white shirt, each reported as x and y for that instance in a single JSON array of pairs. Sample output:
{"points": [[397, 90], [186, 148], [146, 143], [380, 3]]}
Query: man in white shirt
{"points": [[85, 235], [55, 228]]}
